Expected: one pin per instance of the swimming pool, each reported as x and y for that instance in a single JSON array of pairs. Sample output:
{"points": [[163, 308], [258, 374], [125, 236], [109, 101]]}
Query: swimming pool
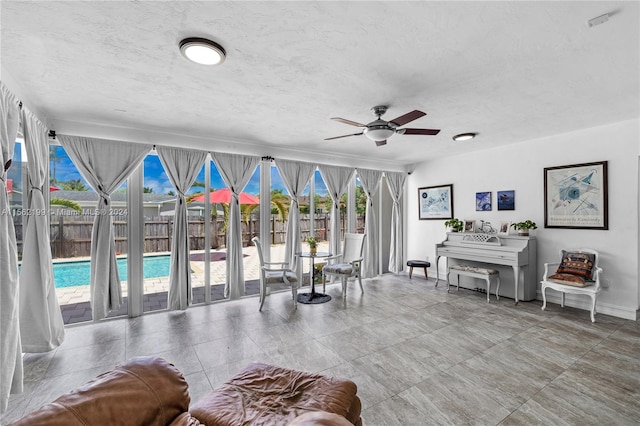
{"points": [[72, 274]]}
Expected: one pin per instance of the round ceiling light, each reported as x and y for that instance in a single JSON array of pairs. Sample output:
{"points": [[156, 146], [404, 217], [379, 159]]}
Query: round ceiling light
{"points": [[464, 137], [202, 51]]}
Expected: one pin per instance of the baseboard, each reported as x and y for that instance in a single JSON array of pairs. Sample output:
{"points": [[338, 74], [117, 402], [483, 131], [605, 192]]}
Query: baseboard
{"points": [[583, 302]]}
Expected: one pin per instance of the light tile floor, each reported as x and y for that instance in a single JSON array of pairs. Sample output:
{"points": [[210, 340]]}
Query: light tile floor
{"points": [[419, 355]]}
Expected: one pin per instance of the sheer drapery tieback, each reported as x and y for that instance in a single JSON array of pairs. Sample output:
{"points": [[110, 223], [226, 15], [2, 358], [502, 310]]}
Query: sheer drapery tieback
{"points": [[36, 188]]}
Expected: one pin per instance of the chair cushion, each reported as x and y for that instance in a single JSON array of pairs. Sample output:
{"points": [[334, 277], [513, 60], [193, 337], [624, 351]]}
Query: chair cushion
{"points": [[418, 263], [338, 268], [577, 264], [474, 269], [275, 277], [570, 279]]}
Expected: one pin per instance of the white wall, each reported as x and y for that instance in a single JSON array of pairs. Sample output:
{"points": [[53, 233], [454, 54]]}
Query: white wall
{"points": [[520, 167]]}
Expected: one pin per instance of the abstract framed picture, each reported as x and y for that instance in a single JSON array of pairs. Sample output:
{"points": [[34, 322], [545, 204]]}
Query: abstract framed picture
{"points": [[506, 200], [483, 201], [435, 202], [576, 196]]}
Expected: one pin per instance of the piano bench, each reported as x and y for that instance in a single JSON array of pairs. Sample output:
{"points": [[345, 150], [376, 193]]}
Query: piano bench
{"points": [[418, 264], [475, 272]]}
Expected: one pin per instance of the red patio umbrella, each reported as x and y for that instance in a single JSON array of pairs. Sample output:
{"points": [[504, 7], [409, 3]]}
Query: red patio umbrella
{"points": [[223, 196], [53, 188]]}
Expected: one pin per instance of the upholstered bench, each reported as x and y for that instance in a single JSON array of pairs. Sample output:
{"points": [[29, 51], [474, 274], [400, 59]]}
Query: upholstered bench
{"points": [[418, 264], [475, 272]]}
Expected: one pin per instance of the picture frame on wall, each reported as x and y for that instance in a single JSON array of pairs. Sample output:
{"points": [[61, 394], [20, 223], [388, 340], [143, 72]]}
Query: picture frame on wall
{"points": [[483, 201], [506, 200], [435, 202], [576, 196], [504, 228]]}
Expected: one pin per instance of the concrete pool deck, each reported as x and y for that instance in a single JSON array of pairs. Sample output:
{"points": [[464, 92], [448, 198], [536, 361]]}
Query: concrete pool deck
{"points": [[74, 301]]}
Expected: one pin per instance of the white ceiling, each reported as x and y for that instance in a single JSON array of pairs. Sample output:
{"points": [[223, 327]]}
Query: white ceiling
{"points": [[511, 71]]}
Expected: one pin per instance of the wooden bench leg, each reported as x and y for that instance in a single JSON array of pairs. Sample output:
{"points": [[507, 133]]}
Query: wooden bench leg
{"points": [[410, 271], [425, 273]]}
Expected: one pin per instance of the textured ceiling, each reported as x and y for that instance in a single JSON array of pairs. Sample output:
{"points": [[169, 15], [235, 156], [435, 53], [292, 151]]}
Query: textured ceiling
{"points": [[511, 71]]}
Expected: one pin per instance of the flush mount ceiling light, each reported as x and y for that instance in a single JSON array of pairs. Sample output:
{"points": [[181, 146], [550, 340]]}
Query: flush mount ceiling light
{"points": [[202, 51], [464, 137]]}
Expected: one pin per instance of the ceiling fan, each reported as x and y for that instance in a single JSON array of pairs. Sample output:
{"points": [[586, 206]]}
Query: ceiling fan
{"points": [[379, 130]]}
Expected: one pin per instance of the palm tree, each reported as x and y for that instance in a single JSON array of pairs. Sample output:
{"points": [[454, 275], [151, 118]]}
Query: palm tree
{"points": [[63, 202], [74, 185], [279, 205]]}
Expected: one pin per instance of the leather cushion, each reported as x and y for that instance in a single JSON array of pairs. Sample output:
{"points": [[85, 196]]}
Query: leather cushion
{"points": [[263, 394], [145, 391]]}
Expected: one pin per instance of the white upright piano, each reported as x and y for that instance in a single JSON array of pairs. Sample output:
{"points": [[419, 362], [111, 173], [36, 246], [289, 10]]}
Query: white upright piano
{"points": [[513, 256]]}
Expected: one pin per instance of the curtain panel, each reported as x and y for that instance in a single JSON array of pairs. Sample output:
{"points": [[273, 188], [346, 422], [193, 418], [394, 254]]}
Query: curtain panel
{"points": [[395, 182], [41, 323], [182, 166], [295, 176], [104, 164], [370, 180], [11, 373], [336, 179], [236, 170]]}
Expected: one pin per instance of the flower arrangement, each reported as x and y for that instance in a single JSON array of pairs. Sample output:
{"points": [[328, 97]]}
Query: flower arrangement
{"points": [[312, 242]]}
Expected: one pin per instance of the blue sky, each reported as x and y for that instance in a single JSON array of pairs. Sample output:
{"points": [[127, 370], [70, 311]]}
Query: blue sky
{"points": [[156, 179]]}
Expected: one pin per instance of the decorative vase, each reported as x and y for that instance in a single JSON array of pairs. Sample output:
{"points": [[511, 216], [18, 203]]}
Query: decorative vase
{"points": [[313, 250], [523, 232]]}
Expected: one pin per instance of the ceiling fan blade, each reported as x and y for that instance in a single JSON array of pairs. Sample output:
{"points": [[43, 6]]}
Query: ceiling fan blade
{"points": [[380, 143], [420, 131], [408, 117], [344, 136], [349, 122]]}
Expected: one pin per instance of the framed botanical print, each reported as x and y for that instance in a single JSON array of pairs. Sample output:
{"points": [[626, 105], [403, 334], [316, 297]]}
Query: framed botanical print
{"points": [[435, 202]]}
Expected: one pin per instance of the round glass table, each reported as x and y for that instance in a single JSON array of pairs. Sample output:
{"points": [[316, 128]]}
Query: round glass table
{"points": [[314, 297]]}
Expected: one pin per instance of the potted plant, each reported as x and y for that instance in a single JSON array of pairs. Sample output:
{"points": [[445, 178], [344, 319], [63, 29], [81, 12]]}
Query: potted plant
{"points": [[313, 245], [455, 224], [524, 227]]}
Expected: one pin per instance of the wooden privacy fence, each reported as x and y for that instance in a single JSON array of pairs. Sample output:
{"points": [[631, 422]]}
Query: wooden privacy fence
{"points": [[71, 235]]}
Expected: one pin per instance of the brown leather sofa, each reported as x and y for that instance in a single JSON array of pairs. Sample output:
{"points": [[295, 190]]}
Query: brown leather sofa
{"points": [[149, 391]]}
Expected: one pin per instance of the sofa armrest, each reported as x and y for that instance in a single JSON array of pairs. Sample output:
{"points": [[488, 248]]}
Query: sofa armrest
{"points": [[144, 391]]}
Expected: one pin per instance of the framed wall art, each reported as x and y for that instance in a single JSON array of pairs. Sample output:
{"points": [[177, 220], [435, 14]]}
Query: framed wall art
{"points": [[576, 196], [506, 200], [483, 201], [435, 202]]}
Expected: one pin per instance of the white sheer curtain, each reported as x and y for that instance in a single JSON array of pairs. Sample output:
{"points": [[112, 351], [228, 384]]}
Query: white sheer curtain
{"points": [[105, 164], [295, 176], [41, 324], [395, 182], [236, 170], [370, 182], [182, 167], [11, 373], [336, 178]]}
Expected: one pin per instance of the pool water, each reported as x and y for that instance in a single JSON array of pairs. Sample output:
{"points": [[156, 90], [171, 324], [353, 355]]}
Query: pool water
{"points": [[71, 274]]}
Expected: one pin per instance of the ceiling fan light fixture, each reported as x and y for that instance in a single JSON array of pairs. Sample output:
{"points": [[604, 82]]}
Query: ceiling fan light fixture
{"points": [[202, 51], [464, 137], [378, 133]]}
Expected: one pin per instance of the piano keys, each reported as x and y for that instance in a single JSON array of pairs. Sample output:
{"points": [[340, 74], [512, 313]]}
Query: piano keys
{"points": [[513, 256]]}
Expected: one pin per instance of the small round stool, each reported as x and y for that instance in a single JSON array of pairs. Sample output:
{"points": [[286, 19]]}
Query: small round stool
{"points": [[418, 264]]}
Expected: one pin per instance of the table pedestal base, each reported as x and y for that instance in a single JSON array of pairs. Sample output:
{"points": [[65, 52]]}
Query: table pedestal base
{"points": [[313, 298]]}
